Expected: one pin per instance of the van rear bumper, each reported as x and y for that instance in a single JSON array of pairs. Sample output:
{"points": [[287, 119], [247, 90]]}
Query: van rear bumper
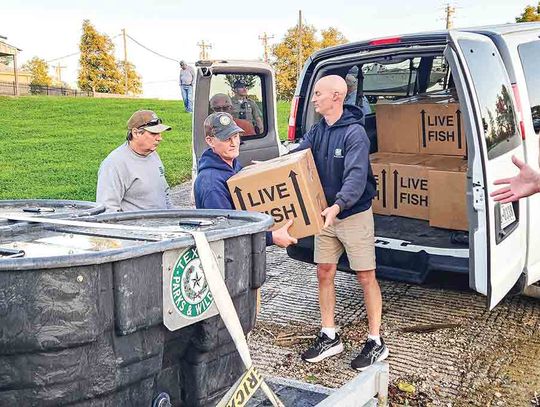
{"points": [[408, 265]]}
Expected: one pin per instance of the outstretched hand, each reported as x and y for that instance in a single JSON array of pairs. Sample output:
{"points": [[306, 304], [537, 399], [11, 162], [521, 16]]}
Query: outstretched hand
{"points": [[525, 184], [281, 236]]}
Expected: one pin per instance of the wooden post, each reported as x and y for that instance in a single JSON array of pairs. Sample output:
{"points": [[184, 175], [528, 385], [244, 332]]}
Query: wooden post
{"points": [[300, 58], [16, 74], [125, 63]]}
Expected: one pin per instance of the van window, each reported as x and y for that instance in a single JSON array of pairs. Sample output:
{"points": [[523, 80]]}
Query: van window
{"points": [[241, 95], [493, 92], [529, 54], [397, 78]]}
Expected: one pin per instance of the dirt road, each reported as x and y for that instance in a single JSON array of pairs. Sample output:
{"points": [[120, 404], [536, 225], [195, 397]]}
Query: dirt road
{"points": [[480, 358]]}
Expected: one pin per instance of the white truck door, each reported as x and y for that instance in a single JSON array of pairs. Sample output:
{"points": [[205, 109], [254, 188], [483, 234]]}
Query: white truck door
{"points": [[497, 233], [246, 89], [527, 55]]}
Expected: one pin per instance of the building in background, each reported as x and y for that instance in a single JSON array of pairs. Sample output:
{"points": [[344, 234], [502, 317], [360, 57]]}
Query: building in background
{"points": [[8, 51]]}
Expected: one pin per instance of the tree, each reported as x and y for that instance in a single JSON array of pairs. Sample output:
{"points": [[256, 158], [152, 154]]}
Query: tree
{"points": [[332, 36], [134, 79], [285, 54], [39, 69], [98, 69], [531, 13]]}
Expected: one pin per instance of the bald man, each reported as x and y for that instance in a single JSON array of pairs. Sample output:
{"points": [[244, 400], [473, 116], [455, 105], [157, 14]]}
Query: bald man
{"points": [[340, 147]]}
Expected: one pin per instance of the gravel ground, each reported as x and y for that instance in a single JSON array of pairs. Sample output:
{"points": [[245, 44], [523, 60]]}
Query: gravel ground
{"points": [[480, 358]]}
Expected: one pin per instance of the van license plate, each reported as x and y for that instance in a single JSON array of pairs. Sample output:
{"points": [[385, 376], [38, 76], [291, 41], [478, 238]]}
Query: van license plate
{"points": [[507, 215]]}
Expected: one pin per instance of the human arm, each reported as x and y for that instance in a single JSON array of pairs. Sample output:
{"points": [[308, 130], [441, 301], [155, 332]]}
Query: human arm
{"points": [[525, 184], [110, 188], [356, 167]]}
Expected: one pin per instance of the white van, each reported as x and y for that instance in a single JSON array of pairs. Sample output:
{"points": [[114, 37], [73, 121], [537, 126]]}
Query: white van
{"points": [[485, 65]]}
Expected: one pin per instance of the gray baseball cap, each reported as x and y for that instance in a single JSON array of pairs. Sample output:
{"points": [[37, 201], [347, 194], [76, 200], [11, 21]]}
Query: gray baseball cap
{"points": [[222, 125]]}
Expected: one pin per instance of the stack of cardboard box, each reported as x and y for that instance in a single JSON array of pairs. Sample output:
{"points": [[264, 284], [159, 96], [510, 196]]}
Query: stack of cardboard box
{"points": [[420, 167]]}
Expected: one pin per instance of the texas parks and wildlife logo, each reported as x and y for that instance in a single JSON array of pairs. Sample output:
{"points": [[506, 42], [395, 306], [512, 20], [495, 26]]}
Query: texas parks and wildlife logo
{"points": [[189, 289]]}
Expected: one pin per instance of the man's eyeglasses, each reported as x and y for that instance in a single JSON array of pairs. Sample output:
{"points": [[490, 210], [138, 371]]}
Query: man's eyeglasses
{"points": [[154, 122], [221, 108]]}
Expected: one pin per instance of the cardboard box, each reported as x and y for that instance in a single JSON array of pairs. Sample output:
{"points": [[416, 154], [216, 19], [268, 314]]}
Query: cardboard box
{"points": [[427, 124], [441, 128], [397, 128], [410, 189], [448, 199], [286, 187], [380, 165]]}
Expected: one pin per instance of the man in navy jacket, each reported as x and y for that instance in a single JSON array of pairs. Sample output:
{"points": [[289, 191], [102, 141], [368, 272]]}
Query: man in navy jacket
{"points": [[218, 164], [340, 148]]}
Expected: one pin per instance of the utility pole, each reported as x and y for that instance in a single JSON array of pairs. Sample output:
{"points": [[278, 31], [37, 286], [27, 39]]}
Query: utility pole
{"points": [[300, 58], [58, 71], [125, 62], [203, 55], [264, 40], [449, 10]]}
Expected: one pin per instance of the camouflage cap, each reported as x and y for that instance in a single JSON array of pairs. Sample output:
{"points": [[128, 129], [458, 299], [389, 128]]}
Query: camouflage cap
{"points": [[222, 125], [240, 83]]}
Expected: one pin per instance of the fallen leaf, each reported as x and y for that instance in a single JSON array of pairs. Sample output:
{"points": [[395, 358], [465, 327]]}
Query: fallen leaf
{"points": [[406, 387]]}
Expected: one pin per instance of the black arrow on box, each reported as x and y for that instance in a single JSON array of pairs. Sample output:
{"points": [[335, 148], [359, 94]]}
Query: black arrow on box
{"points": [[238, 193], [293, 176], [424, 142], [396, 174], [383, 173], [458, 114]]}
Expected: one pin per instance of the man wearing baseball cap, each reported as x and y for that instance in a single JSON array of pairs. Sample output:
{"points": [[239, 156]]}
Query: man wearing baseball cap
{"points": [[218, 163], [132, 176]]}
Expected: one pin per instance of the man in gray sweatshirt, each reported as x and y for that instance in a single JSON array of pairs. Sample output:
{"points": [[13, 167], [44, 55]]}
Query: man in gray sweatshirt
{"points": [[132, 176]]}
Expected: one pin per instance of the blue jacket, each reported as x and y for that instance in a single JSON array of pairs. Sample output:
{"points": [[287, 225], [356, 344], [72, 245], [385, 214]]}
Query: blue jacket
{"points": [[341, 154], [210, 188]]}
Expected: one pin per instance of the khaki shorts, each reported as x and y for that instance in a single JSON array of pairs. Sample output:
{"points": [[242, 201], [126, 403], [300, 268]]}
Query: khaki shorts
{"points": [[354, 235]]}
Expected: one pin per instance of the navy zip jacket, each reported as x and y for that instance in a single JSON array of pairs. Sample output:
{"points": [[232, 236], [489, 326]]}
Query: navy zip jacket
{"points": [[210, 188], [341, 154]]}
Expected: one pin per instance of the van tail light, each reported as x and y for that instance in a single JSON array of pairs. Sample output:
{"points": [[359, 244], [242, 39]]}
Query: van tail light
{"points": [[386, 41], [291, 134], [520, 111]]}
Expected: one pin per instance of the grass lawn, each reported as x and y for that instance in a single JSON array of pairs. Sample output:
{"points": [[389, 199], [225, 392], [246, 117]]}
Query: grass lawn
{"points": [[51, 147]]}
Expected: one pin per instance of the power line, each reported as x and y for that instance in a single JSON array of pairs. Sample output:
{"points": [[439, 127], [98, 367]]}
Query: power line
{"points": [[75, 53], [150, 50], [65, 56]]}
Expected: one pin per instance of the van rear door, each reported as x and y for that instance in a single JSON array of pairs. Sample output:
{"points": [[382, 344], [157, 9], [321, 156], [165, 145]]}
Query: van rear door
{"points": [[497, 232], [246, 89]]}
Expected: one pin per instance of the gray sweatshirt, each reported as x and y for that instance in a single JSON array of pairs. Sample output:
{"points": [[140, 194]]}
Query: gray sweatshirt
{"points": [[128, 181], [187, 76]]}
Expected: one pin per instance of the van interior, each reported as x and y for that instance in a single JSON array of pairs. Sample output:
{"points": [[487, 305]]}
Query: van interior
{"points": [[384, 77]]}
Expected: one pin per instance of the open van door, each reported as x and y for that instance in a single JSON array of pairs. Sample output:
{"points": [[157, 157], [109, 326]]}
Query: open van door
{"points": [[497, 233], [246, 89]]}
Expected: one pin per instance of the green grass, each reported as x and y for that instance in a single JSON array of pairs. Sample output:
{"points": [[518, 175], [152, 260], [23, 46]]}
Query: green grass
{"points": [[51, 147]]}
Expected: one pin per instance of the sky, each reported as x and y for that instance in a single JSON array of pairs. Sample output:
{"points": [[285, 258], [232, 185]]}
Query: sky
{"points": [[52, 29]]}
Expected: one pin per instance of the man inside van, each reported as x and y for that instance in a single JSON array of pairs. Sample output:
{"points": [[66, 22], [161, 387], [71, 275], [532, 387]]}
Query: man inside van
{"points": [[340, 147], [245, 108], [525, 184], [350, 99], [218, 163], [221, 102], [132, 176]]}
